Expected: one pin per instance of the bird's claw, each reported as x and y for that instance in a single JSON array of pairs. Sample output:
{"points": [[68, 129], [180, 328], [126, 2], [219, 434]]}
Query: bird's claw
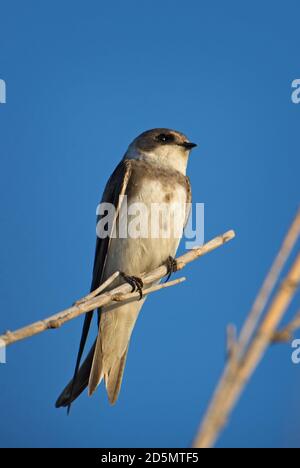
{"points": [[171, 265], [135, 283]]}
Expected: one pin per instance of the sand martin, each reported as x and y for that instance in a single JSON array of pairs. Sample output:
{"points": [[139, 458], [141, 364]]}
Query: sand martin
{"points": [[153, 171]]}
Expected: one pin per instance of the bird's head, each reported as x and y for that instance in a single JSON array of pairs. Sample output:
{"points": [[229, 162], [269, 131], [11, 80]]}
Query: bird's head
{"points": [[162, 146]]}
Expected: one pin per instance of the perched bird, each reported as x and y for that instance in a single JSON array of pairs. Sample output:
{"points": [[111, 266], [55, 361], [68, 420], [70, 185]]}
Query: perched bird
{"points": [[152, 172]]}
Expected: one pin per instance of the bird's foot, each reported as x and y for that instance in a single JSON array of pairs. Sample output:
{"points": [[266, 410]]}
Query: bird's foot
{"points": [[171, 265], [135, 283]]}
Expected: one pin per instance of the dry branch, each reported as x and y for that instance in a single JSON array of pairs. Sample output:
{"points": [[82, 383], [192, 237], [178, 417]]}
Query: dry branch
{"points": [[287, 333], [121, 293], [248, 350], [269, 284]]}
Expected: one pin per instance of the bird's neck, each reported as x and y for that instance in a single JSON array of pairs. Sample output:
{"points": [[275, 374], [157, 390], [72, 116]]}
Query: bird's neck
{"points": [[166, 160]]}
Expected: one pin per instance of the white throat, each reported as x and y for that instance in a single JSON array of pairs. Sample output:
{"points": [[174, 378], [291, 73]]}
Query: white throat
{"points": [[169, 157]]}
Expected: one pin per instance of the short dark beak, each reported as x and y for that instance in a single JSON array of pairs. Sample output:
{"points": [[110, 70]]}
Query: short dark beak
{"points": [[188, 145]]}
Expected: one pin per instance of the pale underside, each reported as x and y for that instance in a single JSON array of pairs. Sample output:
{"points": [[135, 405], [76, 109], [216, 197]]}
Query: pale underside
{"points": [[141, 182], [133, 256]]}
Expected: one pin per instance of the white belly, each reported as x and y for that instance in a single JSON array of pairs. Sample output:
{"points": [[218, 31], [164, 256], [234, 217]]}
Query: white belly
{"points": [[154, 228]]}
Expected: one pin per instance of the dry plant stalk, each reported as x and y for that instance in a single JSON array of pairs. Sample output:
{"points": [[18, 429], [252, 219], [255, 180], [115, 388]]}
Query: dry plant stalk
{"points": [[248, 350], [121, 293], [237, 374], [269, 283], [286, 334]]}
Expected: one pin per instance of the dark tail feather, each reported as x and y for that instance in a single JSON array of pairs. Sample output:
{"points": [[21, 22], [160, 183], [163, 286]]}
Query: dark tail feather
{"points": [[85, 330], [78, 383]]}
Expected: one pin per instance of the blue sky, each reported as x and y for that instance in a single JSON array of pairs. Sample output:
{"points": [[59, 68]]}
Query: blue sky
{"points": [[83, 79]]}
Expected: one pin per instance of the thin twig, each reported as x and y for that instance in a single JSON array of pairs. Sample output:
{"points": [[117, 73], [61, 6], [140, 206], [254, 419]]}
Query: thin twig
{"points": [[231, 340], [238, 372], [100, 289], [287, 333], [136, 295], [108, 297]]}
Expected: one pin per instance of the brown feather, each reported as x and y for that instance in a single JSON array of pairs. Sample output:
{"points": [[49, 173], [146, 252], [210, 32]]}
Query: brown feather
{"points": [[114, 379]]}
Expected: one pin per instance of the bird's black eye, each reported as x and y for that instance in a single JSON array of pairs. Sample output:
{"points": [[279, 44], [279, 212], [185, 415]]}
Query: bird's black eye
{"points": [[165, 138]]}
